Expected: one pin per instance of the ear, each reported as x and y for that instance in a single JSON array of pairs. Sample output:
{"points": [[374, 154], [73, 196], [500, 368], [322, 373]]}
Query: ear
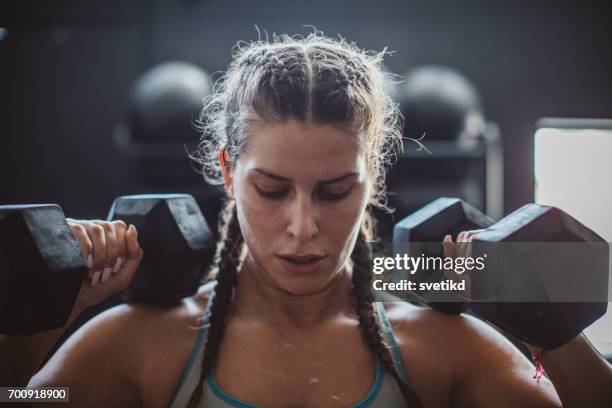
{"points": [[227, 178]]}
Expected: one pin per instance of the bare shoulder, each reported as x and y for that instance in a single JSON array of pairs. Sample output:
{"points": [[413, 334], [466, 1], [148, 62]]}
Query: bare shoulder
{"points": [[476, 363], [463, 340], [424, 324], [131, 353]]}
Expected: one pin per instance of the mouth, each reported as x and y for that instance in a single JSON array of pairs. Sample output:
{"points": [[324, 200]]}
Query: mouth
{"points": [[302, 263]]}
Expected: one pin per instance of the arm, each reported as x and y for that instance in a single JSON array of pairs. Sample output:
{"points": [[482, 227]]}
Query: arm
{"points": [[129, 355], [581, 376], [98, 363], [458, 360], [577, 375], [493, 371], [22, 355]]}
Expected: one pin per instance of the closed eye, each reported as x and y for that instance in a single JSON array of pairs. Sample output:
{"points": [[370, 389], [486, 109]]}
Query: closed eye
{"points": [[321, 194], [333, 196], [272, 194]]}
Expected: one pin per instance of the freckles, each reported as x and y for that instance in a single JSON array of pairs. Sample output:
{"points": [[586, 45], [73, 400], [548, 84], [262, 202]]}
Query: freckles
{"points": [[255, 217]]}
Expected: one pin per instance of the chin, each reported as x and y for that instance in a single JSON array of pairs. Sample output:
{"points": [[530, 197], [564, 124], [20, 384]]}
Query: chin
{"points": [[302, 284]]}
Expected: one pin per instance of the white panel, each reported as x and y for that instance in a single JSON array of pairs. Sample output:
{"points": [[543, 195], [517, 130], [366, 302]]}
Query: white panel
{"points": [[573, 171]]}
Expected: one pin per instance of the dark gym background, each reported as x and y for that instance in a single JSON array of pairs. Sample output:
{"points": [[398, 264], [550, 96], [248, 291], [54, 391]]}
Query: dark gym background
{"points": [[66, 68]]}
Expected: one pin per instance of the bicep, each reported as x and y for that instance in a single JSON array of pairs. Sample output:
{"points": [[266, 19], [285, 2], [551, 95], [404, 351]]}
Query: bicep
{"points": [[90, 364]]}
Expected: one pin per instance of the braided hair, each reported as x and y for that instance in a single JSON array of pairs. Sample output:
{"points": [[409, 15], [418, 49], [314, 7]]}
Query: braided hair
{"points": [[225, 271], [314, 80], [368, 322]]}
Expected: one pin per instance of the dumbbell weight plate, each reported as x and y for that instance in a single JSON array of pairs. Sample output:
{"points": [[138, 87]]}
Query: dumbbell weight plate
{"points": [[42, 271], [177, 243]]}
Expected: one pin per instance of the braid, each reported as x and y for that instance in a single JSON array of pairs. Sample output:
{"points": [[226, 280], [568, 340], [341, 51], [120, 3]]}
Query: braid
{"points": [[368, 323], [226, 263]]}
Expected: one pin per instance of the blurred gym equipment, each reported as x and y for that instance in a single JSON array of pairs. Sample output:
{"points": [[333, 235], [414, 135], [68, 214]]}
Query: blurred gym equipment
{"points": [[461, 153], [160, 131]]}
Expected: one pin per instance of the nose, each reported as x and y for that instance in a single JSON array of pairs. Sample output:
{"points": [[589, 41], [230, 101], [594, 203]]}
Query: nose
{"points": [[303, 218]]}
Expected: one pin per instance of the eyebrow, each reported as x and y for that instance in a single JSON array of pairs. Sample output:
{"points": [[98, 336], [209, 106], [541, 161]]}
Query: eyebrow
{"points": [[286, 179]]}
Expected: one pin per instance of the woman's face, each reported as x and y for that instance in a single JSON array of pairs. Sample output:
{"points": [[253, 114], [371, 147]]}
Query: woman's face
{"points": [[301, 193]]}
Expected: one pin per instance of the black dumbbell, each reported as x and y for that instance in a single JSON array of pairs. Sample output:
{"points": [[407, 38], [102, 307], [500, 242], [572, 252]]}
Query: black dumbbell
{"points": [[43, 268], [543, 292], [176, 241], [42, 271], [422, 232], [546, 278]]}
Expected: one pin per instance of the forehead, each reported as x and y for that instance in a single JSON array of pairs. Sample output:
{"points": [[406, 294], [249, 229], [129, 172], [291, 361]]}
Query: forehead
{"points": [[293, 150]]}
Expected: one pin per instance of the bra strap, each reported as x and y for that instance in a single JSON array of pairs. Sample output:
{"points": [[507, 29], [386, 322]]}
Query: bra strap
{"points": [[395, 350]]}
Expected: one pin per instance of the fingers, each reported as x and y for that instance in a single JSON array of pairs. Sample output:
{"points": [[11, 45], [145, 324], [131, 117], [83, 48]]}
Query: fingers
{"points": [[134, 254], [98, 240], [133, 248], [110, 258], [448, 245], [116, 247], [80, 234], [463, 244], [120, 230], [107, 247], [462, 247]]}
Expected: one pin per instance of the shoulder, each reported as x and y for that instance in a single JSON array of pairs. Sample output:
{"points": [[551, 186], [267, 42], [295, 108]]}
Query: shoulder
{"points": [[440, 329], [463, 340], [129, 349], [476, 363], [140, 322]]}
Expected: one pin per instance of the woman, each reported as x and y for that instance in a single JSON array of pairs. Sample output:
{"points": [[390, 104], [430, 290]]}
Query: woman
{"points": [[299, 131]]}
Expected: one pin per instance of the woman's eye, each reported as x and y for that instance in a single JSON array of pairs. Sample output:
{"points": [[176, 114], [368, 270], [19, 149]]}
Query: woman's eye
{"points": [[272, 194], [321, 194], [333, 196]]}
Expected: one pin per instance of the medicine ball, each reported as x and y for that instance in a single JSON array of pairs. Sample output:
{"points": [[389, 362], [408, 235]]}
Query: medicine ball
{"points": [[165, 102], [441, 103]]}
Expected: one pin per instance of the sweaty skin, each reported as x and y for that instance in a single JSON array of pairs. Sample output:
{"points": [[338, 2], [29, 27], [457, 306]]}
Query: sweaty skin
{"points": [[293, 340]]}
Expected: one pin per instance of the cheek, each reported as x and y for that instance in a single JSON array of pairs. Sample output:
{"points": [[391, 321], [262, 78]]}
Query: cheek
{"points": [[342, 219], [256, 218]]}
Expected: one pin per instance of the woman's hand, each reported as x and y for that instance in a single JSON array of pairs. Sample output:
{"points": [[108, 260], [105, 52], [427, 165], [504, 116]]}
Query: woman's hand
{"points": [[462, 248], [112, 253]]}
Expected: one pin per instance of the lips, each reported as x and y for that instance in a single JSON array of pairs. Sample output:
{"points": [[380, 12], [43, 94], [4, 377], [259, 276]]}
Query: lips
{"points": [[302, 258], [302, 264]]}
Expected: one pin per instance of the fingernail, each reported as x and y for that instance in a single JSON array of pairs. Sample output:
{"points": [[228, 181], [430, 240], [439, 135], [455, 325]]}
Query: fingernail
{"points": [[106, 275], [117, 266], [95, 278], [89, 261]]}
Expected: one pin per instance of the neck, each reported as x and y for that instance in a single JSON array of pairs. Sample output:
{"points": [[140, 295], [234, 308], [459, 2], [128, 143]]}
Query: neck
{"points": [[257, 299]]}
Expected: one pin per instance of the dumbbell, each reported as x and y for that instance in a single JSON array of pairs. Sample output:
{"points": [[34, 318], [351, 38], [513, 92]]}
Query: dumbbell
{"points": [[547, 275], [42, 267], [177, 243], [524, 289]]}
